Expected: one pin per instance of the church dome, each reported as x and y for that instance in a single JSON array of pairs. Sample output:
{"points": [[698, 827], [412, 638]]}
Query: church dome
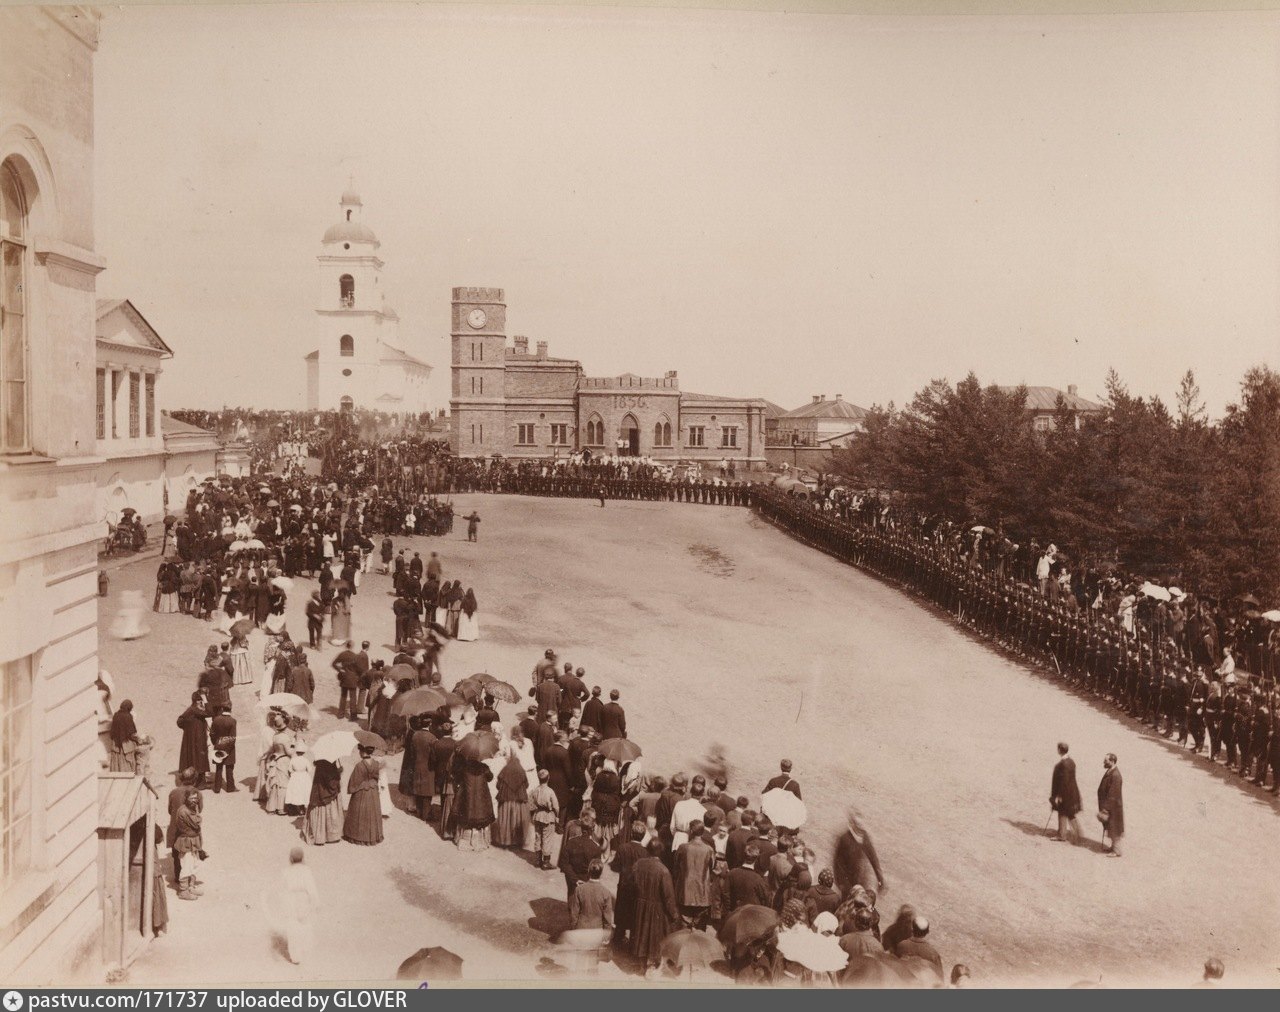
{"points": [[350, 231], [349, 196]]}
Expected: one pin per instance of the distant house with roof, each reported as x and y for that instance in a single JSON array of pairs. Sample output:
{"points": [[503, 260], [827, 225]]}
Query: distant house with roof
{"points": [[823, 423], [1042, 405]]}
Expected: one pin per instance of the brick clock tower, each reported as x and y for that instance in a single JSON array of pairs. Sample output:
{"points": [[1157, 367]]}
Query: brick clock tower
{"points": [[476, 405]]}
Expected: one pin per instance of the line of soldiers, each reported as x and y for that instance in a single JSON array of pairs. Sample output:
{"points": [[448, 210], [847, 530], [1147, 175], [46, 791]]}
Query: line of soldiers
{"points": [[653, 489], [1150, 681]]}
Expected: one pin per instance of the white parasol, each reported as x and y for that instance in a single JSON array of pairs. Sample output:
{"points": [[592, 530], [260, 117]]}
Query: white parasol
{"points": [[783, 808], [819, 953]]}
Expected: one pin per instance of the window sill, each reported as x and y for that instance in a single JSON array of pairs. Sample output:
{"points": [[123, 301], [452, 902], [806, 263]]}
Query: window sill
{"points": [[24, 459], [23, 902]]}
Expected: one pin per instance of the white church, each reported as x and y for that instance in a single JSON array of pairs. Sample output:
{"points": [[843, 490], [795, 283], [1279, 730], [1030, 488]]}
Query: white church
{"points": [[360, 362]]}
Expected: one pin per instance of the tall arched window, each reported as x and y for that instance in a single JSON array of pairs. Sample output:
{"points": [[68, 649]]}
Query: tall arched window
{"points": [[13, 314], [346, 346], [662, 433], [347, 290], [595, 431], [347, 404]]}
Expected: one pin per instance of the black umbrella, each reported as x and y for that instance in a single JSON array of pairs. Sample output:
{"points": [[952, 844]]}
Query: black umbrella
{"points": [[432, 963]]}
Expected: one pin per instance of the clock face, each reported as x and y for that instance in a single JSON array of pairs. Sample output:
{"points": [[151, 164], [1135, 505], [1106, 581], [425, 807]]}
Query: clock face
{"points": [[477, 319]]}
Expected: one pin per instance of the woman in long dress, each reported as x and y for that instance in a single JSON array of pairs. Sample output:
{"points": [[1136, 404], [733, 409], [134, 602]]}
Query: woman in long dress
{"points": [[606, 799], [340, 626], [194, 753], [277, 724], [380, 710], [123, 756], [298, 793], [441, 614], [468, 620], [522, 748], [474, 812], [301, 898], [230, 610], [323, 823], [243, 670], [168, 580], [455, 608], [512, 825], [363, 824], [279, 765]]}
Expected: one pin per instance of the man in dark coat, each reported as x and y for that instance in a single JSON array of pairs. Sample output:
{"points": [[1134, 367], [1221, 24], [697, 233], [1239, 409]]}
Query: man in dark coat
{"points": [[543, 737], [746, 885], [593, 711], [315, 619], [576, 855], [737, 845], [917, 947], [783, 780], [529, 725], [656, 915], [222, 735], [442, 750], [423, 782], [547, 696], [624, 862], [614, 721], [1064, 795], [347, 665], [556, 761], [1111, 803], [301, 681], [692, 877]]}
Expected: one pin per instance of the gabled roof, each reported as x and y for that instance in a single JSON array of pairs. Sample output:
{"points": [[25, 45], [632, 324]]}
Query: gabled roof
{"points": [[772, 410], [151, 339], [836, 408], [393, 354], [716, 398], [1046, 399], [173, 427]]}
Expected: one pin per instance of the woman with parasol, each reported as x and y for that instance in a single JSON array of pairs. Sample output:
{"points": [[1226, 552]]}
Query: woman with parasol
{"points": [[168, 581], [363, 823], [606, 799], [279, 767]]}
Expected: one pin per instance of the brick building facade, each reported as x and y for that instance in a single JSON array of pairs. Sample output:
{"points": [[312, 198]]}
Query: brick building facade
{"points": [[515, 402]]}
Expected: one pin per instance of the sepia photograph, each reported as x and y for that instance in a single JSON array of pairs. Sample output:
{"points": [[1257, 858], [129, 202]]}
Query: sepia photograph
{"points": [[581, 496]]}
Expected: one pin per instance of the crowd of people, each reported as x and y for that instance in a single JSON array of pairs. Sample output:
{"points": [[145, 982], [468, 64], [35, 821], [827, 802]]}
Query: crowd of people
{"points": [[1169, 663]]}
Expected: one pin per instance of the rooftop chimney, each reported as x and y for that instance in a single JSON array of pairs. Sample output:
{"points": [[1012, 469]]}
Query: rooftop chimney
{"points": [[839, 397], [816, 398], [522, 345], [1071, 389], [542, 349]]}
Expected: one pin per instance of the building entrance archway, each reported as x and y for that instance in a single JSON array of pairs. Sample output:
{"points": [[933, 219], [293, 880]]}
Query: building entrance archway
{"points": [[629, 436]]}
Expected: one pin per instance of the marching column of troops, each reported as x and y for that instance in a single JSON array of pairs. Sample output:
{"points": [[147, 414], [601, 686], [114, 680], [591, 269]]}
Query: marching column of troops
{"points": [[1230, 718]]}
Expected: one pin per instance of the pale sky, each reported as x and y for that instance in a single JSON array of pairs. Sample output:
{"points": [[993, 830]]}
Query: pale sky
{"points": [[773, 205]]}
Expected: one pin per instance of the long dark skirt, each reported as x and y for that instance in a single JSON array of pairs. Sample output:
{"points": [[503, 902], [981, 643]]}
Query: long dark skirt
{"points": [[363, 824]]}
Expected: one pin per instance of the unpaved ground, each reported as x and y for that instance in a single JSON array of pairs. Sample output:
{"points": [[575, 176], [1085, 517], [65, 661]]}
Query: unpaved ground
{"points": [[719, 629]]}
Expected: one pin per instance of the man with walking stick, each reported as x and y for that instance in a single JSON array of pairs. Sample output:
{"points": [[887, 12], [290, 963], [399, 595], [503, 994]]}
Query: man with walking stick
{"points": [[1064, 795]]}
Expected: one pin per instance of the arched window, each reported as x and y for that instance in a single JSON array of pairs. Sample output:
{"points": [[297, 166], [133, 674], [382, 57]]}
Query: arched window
{"points": [[595, 431], [662, 433], [13, 315], [346, 346], [347, 404], [347, 290]]}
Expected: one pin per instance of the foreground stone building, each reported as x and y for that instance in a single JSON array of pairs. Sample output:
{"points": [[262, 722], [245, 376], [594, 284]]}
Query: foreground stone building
{"points": [[50, 909], [515, 402]]}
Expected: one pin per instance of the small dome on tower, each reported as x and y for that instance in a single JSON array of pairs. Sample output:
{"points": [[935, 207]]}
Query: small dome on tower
{"points": [[349, 196], [350, 231]]}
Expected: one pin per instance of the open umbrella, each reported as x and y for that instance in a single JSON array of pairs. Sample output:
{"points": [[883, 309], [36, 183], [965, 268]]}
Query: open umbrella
{"points": [[402, 670], [254, 543], [469, 690], [1273, 615], [423, 699], [503, 692], [783, 808], [237, 546], [482, 678], [272, 503], [819, 953], [981, 530], [479, 745], [242, 627], [369, 739], [690, 948], [876, 971], [1157, 592], [747, 924], [283, 582], [433, 963], [620, 750], [296, 507], [1249, 599], [290, 703], [334, 745]]}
